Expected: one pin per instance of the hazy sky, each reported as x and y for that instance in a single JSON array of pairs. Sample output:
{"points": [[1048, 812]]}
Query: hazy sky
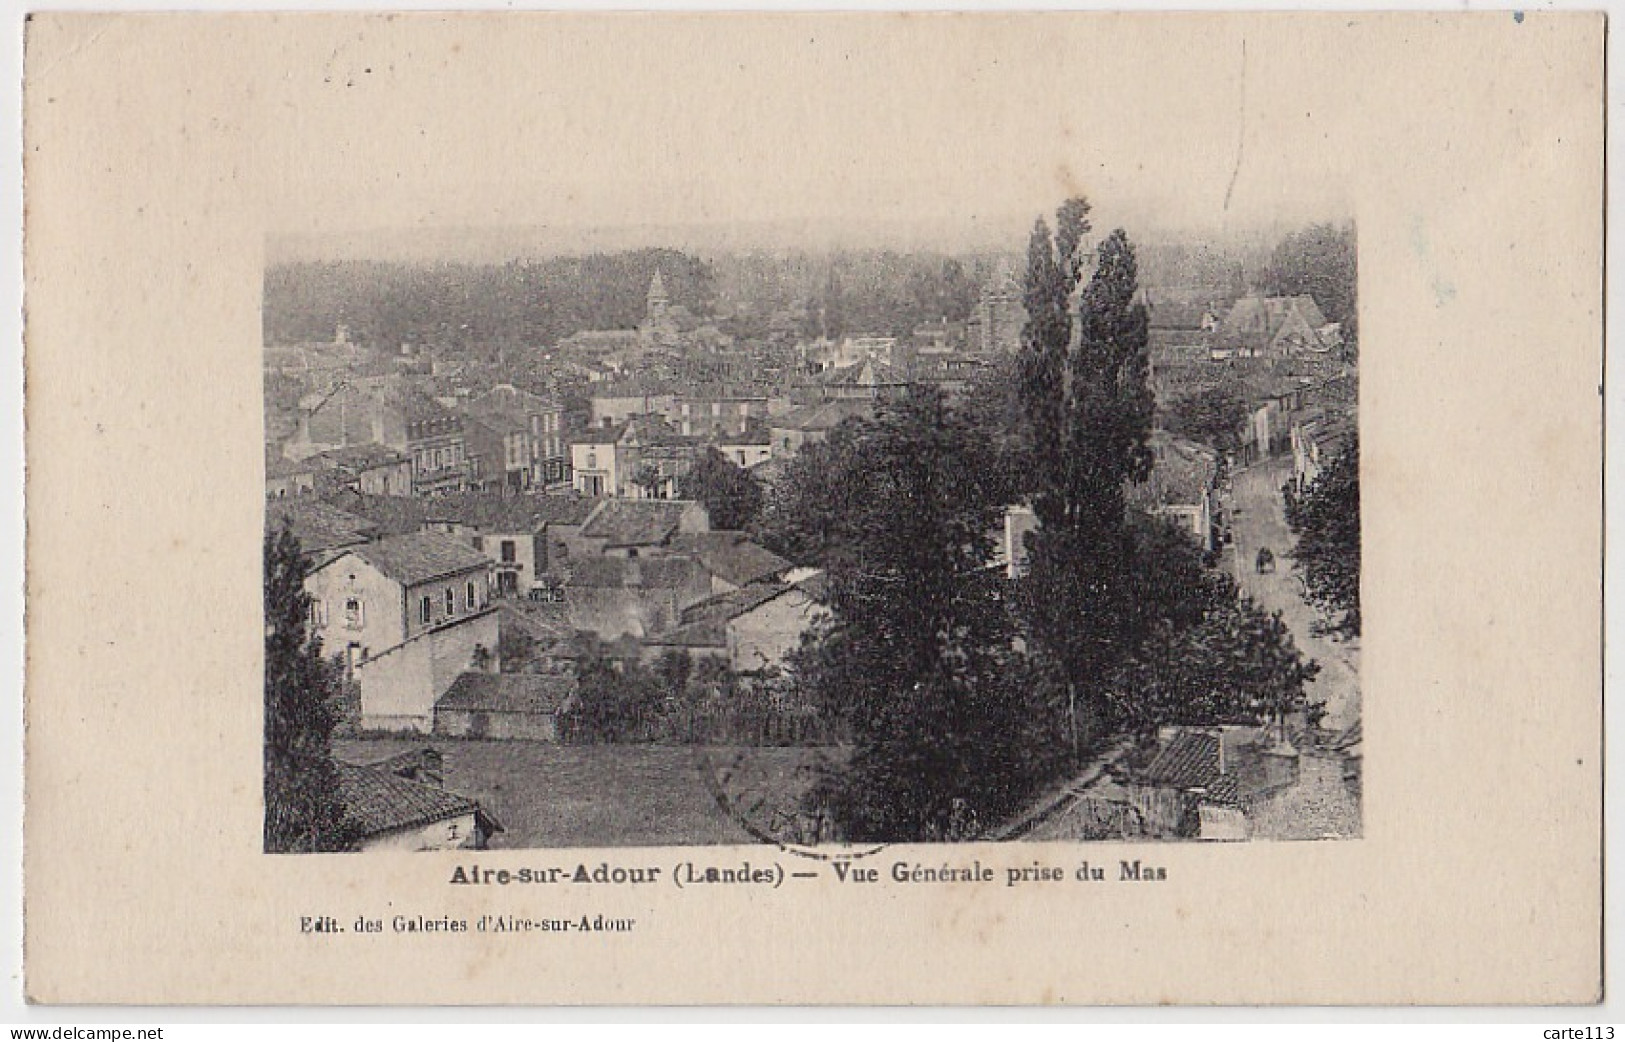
{"points": [[920, 130]]}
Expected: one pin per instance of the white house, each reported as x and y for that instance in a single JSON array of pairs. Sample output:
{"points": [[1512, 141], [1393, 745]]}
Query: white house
{"points": [[408, 613]]}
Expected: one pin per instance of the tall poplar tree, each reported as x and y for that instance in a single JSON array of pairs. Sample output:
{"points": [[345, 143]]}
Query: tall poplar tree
{"points": [[304, 810], [1088, 412]]}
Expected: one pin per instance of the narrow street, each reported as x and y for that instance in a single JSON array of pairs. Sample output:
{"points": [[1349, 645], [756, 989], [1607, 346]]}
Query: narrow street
{"points": [[1258, 519]]}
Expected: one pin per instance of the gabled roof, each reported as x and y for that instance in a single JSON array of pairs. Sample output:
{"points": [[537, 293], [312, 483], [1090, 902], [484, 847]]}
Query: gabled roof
{"points": [[731, 556], [619, 573], [378, 801], [724, 606], [419, 557], [363, 457], [495, 512], [318, 526], [1190, 760], [1256, 318], [508, 693], [825, 415], [393, 515], [705, 624], [498, 423], [635, 522]]}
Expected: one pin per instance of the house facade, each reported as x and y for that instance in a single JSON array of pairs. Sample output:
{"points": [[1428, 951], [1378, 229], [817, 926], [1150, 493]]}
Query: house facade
{"points": [[751, 629], [407, 614]]}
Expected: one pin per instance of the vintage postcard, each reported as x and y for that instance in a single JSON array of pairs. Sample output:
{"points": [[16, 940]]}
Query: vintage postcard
{"points": [[929, 508]]}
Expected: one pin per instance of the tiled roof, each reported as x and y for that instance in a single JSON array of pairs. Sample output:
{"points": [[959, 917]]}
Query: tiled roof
{"points": [[731, 556], [494, 512], [862, 374], [534, 621], [708, 633], [634, 522], [363, 457], [393, 515], [379, 801], [498, 423], [508, 693], [419, 407], [420, 556], [513, 400], [825, 416], [724, 606], [318, 526], [622, 573], [1189, 761], [1183, 472]]}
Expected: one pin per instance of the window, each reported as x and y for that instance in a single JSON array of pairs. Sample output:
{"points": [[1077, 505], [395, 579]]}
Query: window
{"points": [[352, 613], [471, 603], [479, 543], [451, 602], [426, 610], [592, 460], [509, 552]]}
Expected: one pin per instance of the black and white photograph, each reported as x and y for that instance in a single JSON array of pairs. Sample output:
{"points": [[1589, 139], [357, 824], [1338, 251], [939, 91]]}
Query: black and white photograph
{"points": [[1042, 530], [816, 508]]}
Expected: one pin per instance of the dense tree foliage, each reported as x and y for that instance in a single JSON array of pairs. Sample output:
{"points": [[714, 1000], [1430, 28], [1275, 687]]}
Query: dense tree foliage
{"points": [[810, 514], [731, 496], [1327, 516], [304, 810], [1087, 412], [1321, 261], [1200, 654], [889, 294], [917, 655], [1212, 415]]}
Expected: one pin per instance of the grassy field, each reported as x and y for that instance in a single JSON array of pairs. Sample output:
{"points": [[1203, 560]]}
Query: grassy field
{"points": [[610, 795]]}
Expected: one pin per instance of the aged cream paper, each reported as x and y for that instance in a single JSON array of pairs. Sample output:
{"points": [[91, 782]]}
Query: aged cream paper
{"points": [[163, 153]]}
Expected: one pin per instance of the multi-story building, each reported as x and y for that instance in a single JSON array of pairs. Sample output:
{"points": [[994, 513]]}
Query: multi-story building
{"points": [[408, 613]]}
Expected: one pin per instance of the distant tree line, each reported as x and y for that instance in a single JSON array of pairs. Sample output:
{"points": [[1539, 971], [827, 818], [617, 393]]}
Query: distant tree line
{"points": [[538, 302], [531, 302], [1322, 262]]}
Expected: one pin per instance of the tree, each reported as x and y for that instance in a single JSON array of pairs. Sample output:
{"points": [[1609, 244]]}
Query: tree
{"points": [[1213, 416], [1328, 550], [304, 809], [916, 656], [731, 496], [1200, 654], [647, 477], [808, 515], [1087, 411], [617, 704], [1320, 261]]}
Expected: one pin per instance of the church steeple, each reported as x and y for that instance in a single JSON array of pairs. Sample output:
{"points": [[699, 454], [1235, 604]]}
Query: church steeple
{"points": [[657, 296]]}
